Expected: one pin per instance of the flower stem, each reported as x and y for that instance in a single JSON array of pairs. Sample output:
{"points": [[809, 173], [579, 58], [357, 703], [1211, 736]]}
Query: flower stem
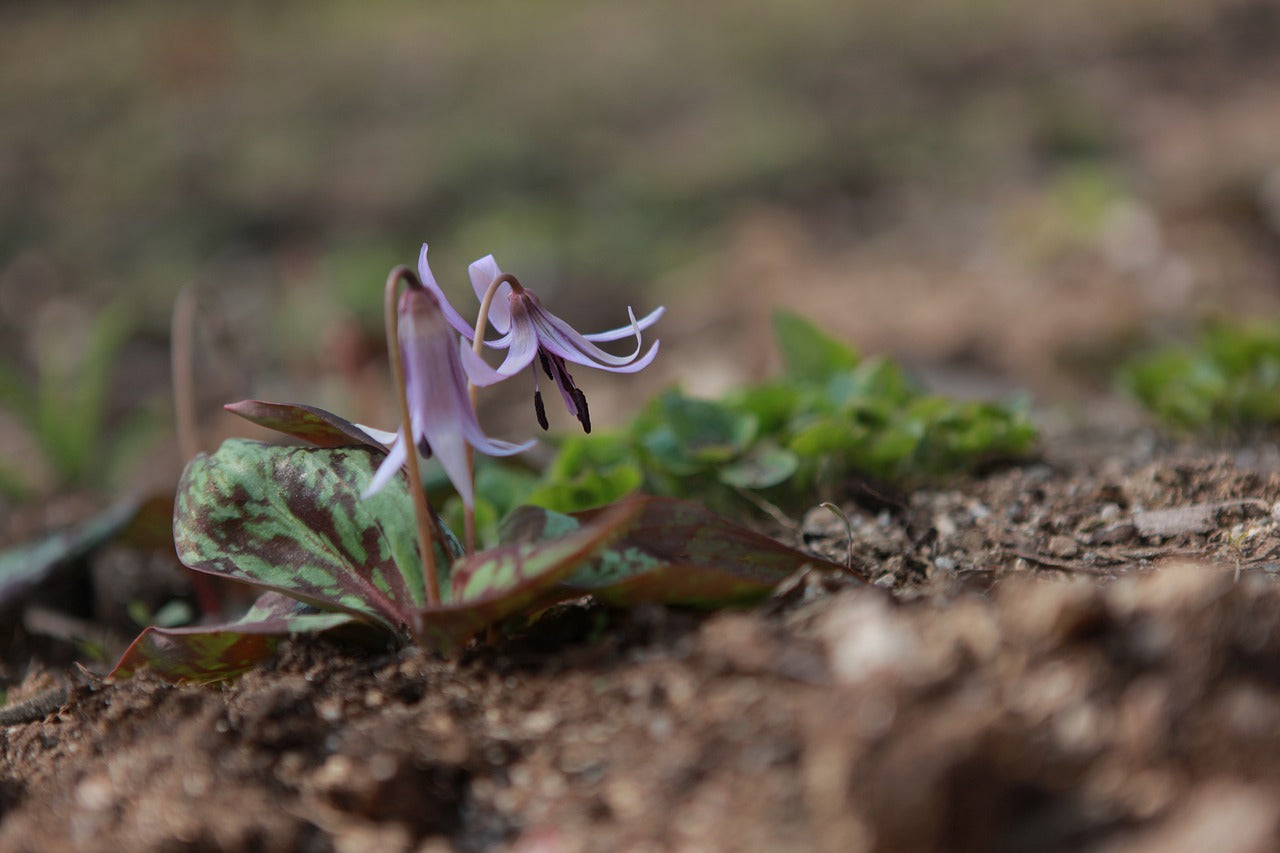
{"points": [[422, 512], [477, 346]]}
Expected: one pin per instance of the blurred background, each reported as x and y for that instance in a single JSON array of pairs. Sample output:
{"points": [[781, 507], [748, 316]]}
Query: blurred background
{"points": [[1001, 194]]}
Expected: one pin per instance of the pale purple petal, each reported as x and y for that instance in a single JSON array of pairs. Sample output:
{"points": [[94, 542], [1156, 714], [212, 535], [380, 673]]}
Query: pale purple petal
{"points": [[500, 343], [495, 446], [629, 329], [429, 282], [524, 342], [483, 272], [634, 367], [553, 330], [440, 410], [445, 433], [443, 413], [559, 337], [389, 468], [381, 436], [478, 370]]}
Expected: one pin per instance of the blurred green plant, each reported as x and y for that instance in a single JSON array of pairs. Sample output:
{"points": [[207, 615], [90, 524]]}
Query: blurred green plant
{"points": [[1229, 379], [793, 441], [64, 406]]}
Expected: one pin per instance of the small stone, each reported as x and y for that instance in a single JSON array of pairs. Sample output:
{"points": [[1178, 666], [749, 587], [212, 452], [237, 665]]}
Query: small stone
{"points": [[1063, 546], [868, 640]]}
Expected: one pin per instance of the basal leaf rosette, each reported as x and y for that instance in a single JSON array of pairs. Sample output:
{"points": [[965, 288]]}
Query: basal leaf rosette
{"points": [[291, 521]]}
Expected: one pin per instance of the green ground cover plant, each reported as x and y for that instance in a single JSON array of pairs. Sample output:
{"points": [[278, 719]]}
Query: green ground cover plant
{"points": [[1227, 380], [831, 415]]}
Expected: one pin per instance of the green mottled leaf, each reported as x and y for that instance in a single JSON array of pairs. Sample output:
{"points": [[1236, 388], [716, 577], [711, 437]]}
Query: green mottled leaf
{"points": [[208, 653], [308, 423], [492, 585], [674, 552], [808, 353], [292, 519]]}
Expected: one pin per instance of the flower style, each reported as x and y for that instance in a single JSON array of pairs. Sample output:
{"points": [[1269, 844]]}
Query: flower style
{"points": [[441, 415], [530, 331]]}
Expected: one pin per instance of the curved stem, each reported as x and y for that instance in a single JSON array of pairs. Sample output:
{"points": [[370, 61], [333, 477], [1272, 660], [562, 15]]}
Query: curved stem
{"points": [[421, 511], [477, 346]]}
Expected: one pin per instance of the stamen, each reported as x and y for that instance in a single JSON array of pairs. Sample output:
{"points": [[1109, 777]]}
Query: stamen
{"points": [[583, 415], [540, 410], [546, 365]]}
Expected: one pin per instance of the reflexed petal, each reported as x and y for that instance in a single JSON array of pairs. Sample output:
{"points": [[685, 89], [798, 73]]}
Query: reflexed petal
{"points": [[390, 466], [559, 337], [496, 446], [500, 343], [478, 370], [483, 272], [429, 282], [623, 331], [553, 330]]}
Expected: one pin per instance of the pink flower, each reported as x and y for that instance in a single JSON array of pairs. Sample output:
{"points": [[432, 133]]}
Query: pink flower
{"points": [[530, 331], [441, 416]]}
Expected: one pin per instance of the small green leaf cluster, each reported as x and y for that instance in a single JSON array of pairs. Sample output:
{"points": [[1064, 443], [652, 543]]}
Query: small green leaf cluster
{"points": [[1227, 380], [830, 416]]}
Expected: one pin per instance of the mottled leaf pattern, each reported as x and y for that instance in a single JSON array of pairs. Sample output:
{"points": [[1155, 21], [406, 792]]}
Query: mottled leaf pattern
{"points": [[291, 519], [208, 653], [675, 552], [503, 581], [312, 425]]}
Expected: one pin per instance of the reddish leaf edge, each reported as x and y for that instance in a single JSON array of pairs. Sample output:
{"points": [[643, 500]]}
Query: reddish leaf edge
{"points": [[182, 655], [446, 627], [311, 424]]}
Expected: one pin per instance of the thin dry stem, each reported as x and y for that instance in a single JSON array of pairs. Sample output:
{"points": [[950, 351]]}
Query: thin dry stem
{"points": [[182, 373], [848, 527], [421, 511], [182, 370]]}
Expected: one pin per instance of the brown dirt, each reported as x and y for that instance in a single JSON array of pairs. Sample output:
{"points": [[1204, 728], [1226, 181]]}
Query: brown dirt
{"points": [[1045, 661], [1076, 654]]}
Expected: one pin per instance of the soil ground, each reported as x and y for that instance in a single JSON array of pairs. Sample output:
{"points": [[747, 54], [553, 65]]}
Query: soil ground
{"points": [[1074, 654]]}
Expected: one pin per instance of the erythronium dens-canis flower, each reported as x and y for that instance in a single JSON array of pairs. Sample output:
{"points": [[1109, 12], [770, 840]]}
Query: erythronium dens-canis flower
{"points": [[441, 414], [529, 331]]}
